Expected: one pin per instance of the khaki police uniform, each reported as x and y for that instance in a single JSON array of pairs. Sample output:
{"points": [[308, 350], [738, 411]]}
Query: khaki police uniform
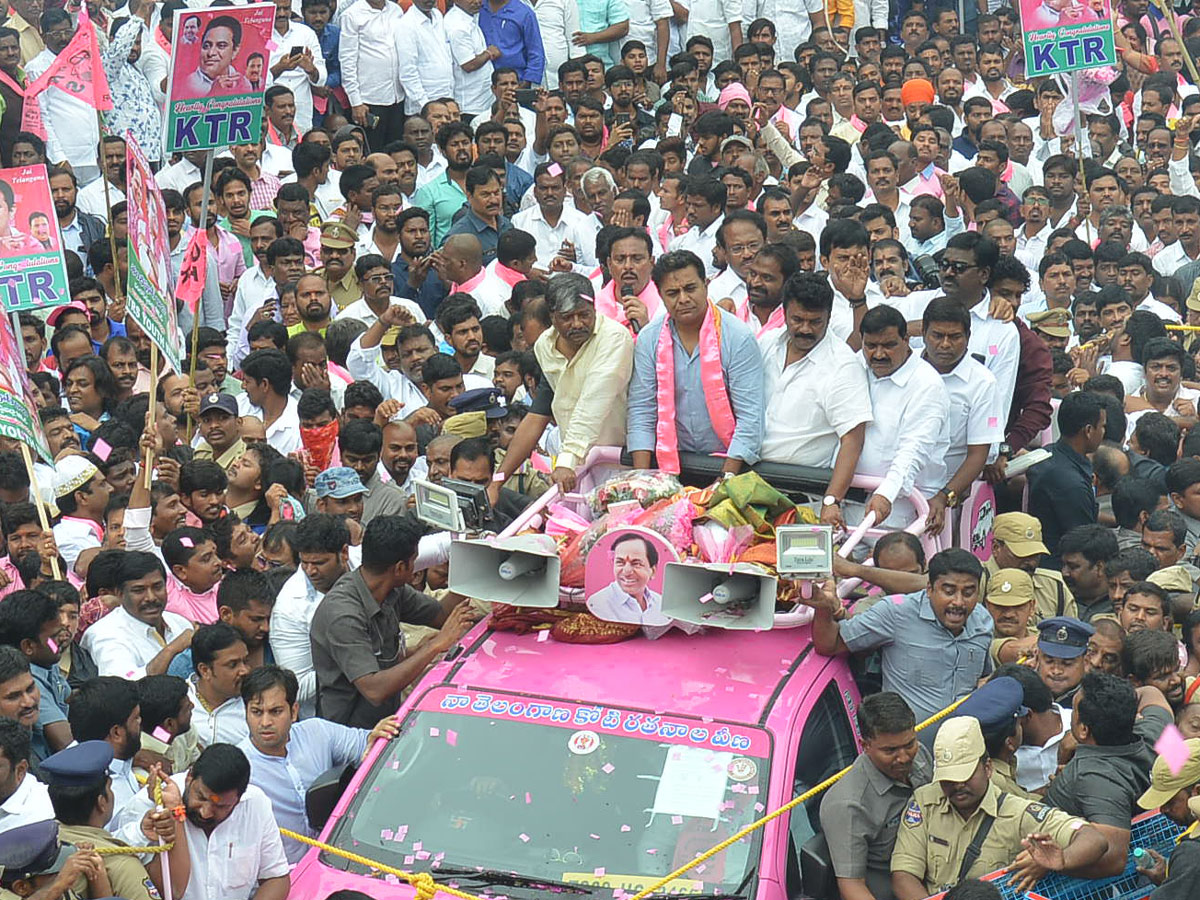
{"points": [[126, 874], [1053, 596], [933, 839], [1004, 776]]}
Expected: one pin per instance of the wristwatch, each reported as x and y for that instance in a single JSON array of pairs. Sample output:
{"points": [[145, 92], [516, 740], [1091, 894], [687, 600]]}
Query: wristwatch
{"points": [[1004, 450], [830, 500], [951, 497]]}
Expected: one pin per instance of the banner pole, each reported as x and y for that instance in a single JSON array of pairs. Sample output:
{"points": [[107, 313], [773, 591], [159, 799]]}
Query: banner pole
{"points": [[20, 341], [152, 412], [1168, 12], [208, 167], [112, 234], [37, 502], [1080, 137]]}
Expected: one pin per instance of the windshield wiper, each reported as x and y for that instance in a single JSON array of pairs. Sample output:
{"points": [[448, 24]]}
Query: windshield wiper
{"points": [[508, 879], [681, 896]]}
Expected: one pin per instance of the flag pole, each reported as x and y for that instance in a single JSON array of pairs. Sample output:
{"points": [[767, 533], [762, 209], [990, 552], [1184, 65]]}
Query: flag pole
{"points": [[208, 167], [152, 412], [36, 495], [112, 234], [1080, 137]]}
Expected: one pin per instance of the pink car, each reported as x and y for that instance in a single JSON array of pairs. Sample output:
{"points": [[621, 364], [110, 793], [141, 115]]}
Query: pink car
{"points": [[527, 767]]}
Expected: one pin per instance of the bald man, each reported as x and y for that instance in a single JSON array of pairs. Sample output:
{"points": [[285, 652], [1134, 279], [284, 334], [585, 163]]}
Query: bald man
{"points": [[460, 265]]}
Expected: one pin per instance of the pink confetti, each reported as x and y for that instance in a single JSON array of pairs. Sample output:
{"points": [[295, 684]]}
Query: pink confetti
{"points": [[451, 737], [651, 851], [186, 542], [993, 421], [598, 871], [758, 807], [423, 854], [386, 834], [993, 349], [434, 732], [594, 837], [417, 845], [161, 734], [608, 768], [555, 169], [401, 832], [738, 788], [1172, 747], [626, 828], [102, 448], [52, 644], [699, 868], [409, 860], [752, 790], [524, 837], [528, 797], [676, 820], [543, 636], [270, 45], [390, 878]]}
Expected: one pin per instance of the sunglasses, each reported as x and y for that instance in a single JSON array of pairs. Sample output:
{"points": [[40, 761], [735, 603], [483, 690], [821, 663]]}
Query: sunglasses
{"points": [[957, 266]]}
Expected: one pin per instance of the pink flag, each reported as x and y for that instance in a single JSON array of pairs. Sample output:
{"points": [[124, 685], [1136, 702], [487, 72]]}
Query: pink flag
{"points": [[78, 69], [1173, 748], [191, 273]]}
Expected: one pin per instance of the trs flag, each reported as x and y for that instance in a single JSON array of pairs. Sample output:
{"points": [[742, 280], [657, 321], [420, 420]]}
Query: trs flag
{"points": [[78, 70], [190, 285]]}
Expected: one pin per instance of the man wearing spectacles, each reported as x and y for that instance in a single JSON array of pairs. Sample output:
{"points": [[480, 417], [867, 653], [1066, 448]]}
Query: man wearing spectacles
{"points": [[1035, 232], [966, 267]]}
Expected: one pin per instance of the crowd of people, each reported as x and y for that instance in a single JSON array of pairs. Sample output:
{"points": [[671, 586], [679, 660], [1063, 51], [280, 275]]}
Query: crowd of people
{"points": [[476, 242]]}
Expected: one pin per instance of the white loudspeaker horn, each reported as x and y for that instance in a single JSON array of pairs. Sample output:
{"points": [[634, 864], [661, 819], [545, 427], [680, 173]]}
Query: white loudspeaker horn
{"points": [[741, 596], [522, 570]]}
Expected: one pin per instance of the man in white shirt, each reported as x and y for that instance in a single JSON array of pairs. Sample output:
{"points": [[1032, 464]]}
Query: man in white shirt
{"points": [[974, 422], [558, 22], [426, 63], [23, 799], [371, 68], [400, 379], [72, 132], [1163, 391], [227, 819], [718, 20], [287, 755], [82, 494], [138, 637], [107, 709], [220, 660], [296, 61], [1033, 235], [267, 384], [1186, 215], [555, 226], [906, 442], [706, 211], [92, 199], [818, 405], [473, 57]]}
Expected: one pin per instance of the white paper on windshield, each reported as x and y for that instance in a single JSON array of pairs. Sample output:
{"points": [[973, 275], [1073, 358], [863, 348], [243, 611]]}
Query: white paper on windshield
{"points": [[692, 783]]}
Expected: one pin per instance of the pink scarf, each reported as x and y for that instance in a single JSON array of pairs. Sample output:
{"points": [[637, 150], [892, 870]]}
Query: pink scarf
{"points": [[608, 304], [774, 320], [511, 277], [712, 380]]}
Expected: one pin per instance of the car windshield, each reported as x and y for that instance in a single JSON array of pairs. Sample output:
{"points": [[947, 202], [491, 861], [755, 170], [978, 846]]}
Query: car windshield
{"points": [[460, 790]]}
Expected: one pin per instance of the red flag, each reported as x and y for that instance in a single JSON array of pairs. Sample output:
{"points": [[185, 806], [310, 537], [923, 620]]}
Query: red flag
{"points": [[190, 285], [78, 70], [31, 117]]}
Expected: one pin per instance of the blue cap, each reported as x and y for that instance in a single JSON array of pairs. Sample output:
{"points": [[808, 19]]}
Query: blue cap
{"points": [[1063, 637], [31, 850], [995, 704], [486, 400], [78, 765], [339, 482]]}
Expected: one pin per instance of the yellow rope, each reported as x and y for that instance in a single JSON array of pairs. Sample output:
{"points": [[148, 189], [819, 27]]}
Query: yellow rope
{"points": [[422, 881], [1183, 328], [138, 851], [787, 807]]}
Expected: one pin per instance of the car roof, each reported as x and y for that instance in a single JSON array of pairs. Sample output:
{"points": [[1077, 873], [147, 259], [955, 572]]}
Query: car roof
{"points": [[722, 674]]}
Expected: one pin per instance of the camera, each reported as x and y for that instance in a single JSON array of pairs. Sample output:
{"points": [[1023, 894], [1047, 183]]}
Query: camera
{"points": [[927, 270]]}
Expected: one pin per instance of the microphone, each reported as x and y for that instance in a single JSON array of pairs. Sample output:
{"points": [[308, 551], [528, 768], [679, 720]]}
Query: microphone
{"points": [[627, 291]]}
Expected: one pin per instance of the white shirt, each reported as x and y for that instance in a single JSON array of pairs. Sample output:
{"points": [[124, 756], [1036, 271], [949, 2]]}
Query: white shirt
{"points": [[558, 20], [700, 242], [1131, 375], [1030, 250], [29, 803], [226, 724], [314, 747], [90, 199], [614, 605], [284, 433], [252, 292], [296, 80], [72, 133], [290, 620], [813, 403], [1184, 393], [999, 344], [841, 320], [124, 787], [491, 293], [366, 365], [122, 645], [370, 59], [907, 436], [572, 226], [973, 416], [179, 175], [276, 159], [362, 311], [73, 536], [712, 19], [241, 851], [643, 17], [1160, 309], [1166, 262], [728, 284], [472, 90], [426, 64]]}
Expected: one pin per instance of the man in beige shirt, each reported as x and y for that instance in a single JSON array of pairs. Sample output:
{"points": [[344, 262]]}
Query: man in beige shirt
{"points": [[586, 360]]}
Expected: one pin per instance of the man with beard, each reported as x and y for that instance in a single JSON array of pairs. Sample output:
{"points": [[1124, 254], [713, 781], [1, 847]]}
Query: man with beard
{"points": [[223, 809], [232, 194], [91, 294], [720, 415], [586, 362], [383, 237], [871, 795], [399, 453], [286, 755], [767, 273], [446, 194], [72, 133], [91, 198], [79, 229], [458, 319], [416, 276], [401, 378], [60, 432], [315, 305], [30, 548], [106, 709], [220, 660], [30, 622], [20, 699]]}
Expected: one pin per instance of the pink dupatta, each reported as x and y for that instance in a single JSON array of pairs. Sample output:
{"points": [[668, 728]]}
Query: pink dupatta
{"points": [[712, 379]]}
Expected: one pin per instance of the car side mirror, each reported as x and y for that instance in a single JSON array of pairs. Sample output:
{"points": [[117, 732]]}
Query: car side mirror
{"points": [[816, 872], [323, 794]]}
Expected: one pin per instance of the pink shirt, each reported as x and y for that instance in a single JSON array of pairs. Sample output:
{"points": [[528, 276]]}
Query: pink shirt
{"points": [[14, 579], [198, 608]]}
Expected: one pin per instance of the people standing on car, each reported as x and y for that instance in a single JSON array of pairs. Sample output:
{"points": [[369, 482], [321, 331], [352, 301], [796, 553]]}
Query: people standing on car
{"points": [[861, 813]]}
